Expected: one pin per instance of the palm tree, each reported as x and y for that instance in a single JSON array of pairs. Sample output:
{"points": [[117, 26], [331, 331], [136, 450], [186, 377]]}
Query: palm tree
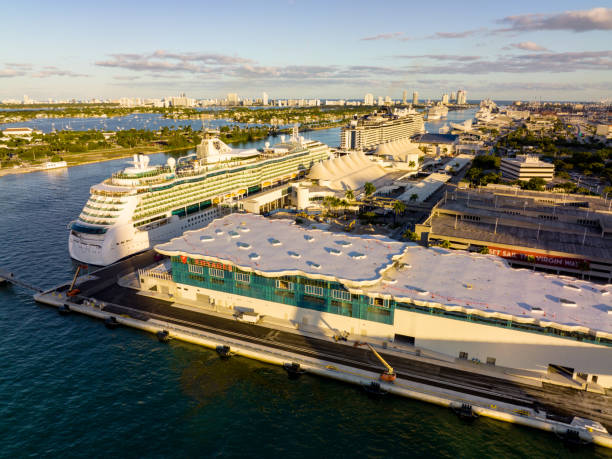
{"points": [[349, 195], [369, 189], [398, 208]]}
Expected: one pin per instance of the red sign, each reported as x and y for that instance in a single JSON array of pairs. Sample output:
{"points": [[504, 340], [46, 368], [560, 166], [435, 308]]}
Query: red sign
{"points": [[208, 264], [212, 264], [542, 259]]}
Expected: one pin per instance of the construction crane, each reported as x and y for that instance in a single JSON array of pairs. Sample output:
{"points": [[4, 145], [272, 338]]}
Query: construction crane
{"points": [[75, 291], [389, 375]]}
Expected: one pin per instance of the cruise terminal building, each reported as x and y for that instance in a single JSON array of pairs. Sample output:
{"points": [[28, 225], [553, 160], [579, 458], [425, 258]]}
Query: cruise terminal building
{"points": [[463, 305]]}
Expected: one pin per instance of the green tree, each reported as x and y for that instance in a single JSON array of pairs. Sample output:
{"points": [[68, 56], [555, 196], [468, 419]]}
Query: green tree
{"points": [[411, 235], [369, 189], [349, 194], [398, 208]]}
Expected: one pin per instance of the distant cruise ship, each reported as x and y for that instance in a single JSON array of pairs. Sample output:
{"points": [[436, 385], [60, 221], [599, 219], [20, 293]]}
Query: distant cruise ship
{"points": [[436, 112], [145, 205], [372, 130]]}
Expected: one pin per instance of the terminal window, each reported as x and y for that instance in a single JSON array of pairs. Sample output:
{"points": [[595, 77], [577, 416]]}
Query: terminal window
{"points": [[196, 269], [215, 272], [284, 285]]}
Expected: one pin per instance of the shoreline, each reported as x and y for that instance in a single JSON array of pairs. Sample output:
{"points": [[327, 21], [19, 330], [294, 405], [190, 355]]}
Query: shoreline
{"points": [[121, 155], [27, 170]]}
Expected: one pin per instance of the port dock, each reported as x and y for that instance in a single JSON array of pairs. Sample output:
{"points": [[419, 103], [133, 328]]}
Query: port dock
{"points": [[511, 396]]}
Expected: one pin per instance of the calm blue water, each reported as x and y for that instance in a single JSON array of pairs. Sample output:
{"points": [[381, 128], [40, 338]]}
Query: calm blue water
{"points": [[153, 121], [71, 388]]}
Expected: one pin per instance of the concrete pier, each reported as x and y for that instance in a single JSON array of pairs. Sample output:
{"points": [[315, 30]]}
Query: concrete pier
{"points": [[498, 393]]}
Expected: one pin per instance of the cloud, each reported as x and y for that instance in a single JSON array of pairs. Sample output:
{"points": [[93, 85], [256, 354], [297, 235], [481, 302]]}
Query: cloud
{"points": [[51, 71], [576, 21], [163, 61], [440, 57], [11, 73], [15, 65], [126, 78], [526, 46], [164, 65], [385, 36], [436, 36], [451, 35], [523, 63]]}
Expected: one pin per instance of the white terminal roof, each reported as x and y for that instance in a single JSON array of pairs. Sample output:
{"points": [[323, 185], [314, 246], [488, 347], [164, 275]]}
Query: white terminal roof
{"points": [[463, 281], [453, 280], [350, 171], [280, 247]]}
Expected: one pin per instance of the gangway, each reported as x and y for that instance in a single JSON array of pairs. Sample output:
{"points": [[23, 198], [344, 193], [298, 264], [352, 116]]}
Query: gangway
{"points": [[7, 276]]}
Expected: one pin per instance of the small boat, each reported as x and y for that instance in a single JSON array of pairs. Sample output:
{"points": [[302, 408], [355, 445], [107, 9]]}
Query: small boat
{"points": [[111, 322], [224, 352], [374, 389], [64, 309], [294, 371], [163, 336], [465, 412]]}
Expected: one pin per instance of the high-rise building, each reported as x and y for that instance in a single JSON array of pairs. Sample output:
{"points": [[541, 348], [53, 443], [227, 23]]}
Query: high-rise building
{"points": [[453, 96], [368, 99], [380, 100], [387, 100], [415, 98], [461, 97], [404, 96], [232, 98], [445, 98], [264, 98]]}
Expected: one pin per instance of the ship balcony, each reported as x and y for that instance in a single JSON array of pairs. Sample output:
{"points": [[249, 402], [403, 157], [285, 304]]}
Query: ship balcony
{"points": [[106, 209], [95, 215]]}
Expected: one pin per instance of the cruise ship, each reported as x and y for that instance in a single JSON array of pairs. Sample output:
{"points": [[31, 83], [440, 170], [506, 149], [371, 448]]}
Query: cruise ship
{"points": [[144, 205], [371, 130], [437, 112]]}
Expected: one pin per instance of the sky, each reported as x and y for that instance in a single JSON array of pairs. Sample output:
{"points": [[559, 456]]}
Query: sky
{"points": [[527, 50]]}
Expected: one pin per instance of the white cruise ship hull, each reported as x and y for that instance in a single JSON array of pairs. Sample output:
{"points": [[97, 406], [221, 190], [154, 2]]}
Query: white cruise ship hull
{"points": [[122, 241]]}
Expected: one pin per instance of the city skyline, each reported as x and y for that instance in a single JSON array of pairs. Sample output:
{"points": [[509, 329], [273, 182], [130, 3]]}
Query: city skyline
{"points": [[549, 51]]}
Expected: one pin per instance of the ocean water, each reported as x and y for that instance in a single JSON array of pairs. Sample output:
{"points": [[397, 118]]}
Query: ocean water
{"points": [[69, 387]]}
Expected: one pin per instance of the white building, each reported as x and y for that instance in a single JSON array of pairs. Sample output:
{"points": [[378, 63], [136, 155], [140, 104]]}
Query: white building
{"points": [[461, 97], [18, 132], [445, 99], [415, 98], [525, 167], [462, 305], [368, 99], [264, 98], [401, 154]]}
